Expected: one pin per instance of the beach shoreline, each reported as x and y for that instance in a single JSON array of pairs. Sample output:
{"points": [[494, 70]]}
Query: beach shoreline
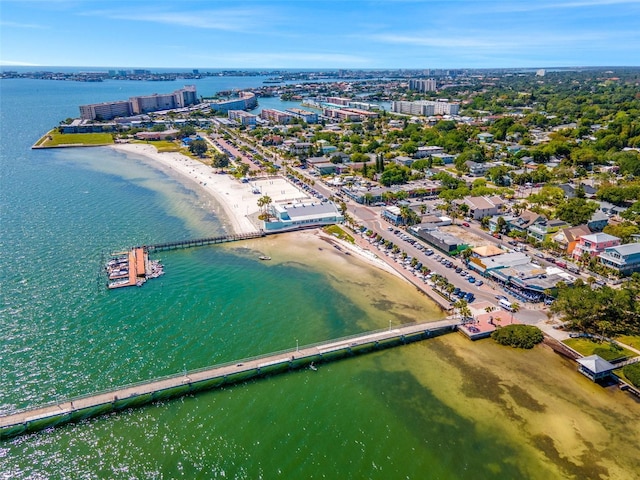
{"points": [[229, 194]]}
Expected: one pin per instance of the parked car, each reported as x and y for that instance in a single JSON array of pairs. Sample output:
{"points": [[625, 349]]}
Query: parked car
{"points": [[465, 224], [497, 235], [479, 283], [471, 279]]}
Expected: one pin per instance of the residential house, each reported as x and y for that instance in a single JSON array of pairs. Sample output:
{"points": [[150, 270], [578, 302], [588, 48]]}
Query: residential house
{"points": [[568, 238], [598, 221], [623, 258], [518, 224], [544, 229], [476, 169], [485, 137], [594, 244]]}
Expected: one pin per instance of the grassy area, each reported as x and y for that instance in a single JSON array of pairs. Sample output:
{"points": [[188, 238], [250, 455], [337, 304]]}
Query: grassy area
{"points": [[336, 231], [631, 340], [55, 139], [161, 145], [588, 347]]}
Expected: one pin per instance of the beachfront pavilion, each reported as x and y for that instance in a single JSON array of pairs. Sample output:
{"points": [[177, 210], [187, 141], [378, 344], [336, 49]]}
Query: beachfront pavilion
{"points": [[595, 367]]}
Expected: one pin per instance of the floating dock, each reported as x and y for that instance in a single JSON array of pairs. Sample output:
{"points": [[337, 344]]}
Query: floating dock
{"points": [[126, 269]]}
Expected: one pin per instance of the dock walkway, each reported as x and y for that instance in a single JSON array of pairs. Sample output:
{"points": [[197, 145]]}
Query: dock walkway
{"points": [[129, 396]]}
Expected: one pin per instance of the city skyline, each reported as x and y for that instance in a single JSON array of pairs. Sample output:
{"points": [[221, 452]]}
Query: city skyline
{"points": [[331, 34]]}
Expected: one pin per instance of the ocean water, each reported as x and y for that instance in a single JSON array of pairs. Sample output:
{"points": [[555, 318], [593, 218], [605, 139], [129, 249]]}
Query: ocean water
{"points": [[443, 408]]}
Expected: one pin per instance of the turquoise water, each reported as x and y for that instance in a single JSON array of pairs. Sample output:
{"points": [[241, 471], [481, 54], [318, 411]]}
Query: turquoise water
{"points": [[427, 410]]}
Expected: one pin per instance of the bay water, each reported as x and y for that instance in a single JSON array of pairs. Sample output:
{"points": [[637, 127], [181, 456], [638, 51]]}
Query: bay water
{"points": [[444, 408]]}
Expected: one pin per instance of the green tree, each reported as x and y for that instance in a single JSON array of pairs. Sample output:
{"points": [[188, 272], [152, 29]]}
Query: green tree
{"points": [[576, 211], [198, 147]]}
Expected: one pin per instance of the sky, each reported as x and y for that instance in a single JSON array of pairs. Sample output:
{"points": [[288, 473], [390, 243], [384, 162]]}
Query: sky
{"points": [[345, 34]]}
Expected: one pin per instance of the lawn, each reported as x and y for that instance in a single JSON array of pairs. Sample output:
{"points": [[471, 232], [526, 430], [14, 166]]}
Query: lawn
{"points": [[631, 340], [589, 347], [336, 231], [56, 139]]}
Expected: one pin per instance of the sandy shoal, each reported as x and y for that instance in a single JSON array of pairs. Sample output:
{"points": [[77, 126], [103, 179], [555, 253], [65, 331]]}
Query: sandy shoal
{"points": [[233, 196]]}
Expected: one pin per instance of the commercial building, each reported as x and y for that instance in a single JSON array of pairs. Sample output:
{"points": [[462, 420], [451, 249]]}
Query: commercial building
{"points": [[300, 215]]}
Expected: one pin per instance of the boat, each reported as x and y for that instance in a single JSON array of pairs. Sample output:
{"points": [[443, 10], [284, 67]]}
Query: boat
{"points": [[264, 257]]}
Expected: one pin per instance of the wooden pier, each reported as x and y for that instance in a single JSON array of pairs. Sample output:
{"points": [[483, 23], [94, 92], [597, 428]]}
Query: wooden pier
{"points": [[189, 382], [203, 241]]}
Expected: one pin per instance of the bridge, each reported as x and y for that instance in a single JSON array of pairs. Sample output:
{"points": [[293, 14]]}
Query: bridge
{"points": [[190, 382]]}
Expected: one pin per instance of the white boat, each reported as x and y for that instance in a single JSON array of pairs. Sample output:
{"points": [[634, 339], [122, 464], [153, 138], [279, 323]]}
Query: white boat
{"points": [[264, 257]]}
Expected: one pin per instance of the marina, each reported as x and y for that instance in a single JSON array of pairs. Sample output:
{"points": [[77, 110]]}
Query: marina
{"points": [[126, 269]]}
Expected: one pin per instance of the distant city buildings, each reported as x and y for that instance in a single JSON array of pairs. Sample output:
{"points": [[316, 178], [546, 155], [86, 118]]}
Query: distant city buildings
{"points": [[137, 105], [424, 85]]}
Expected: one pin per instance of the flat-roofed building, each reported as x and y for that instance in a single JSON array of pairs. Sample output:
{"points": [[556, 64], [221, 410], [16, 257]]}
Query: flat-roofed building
{"points": [[105, 111], [242, 117], [301, 215], [276, 116], [306, 115], [422, 85]]}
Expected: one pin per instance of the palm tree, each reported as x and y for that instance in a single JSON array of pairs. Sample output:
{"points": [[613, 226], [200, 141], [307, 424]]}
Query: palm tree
{"points": [[515, 308], [263, 203]]}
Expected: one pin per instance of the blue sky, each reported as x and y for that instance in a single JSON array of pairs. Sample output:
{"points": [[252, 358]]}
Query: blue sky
{"points": [[320, 34]]}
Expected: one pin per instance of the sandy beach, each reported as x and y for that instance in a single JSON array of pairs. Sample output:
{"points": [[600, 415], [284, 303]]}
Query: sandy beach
{"points": [[236, 199]]}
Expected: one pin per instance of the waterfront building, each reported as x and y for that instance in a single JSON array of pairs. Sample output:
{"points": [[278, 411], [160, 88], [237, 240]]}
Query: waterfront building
{"points": [[85, 126], [422, 85], [106, 110], [244, 101], [302, 215], [181, 98]]}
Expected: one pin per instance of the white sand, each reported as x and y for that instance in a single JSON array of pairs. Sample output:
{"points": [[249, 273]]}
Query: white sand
{"points": [[236, 198]]}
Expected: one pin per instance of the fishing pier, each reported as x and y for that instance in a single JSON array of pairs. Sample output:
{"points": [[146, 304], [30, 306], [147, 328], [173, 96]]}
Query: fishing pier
{"points": [[189, 382]]}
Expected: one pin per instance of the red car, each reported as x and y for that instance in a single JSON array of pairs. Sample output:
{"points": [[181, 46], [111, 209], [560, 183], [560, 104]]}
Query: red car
{"points": [[497, 235], [465, 224]]}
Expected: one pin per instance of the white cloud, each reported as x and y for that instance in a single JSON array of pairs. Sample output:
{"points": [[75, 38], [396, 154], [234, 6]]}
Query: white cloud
{"points": [[225, 19], [4, 23]]}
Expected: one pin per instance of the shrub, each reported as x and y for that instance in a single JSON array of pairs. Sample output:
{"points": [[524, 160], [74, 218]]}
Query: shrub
{"points": [[632, 372], [519, 336]]}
